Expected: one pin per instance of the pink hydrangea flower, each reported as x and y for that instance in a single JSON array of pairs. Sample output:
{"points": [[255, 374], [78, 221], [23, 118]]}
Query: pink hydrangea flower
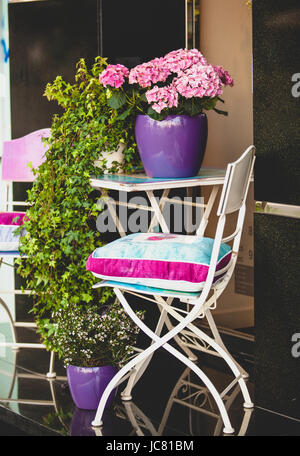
{"points": [[183, 59], [114, 75], [199, 81], [158, 69], [185, 72], [224, 76], [162, 97], [149, 73]]}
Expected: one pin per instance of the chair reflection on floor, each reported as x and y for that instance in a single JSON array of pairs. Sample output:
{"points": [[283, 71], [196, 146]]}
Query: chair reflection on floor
{"points": [[11, 369], [191, 396], [141, 424], [198, 398]]}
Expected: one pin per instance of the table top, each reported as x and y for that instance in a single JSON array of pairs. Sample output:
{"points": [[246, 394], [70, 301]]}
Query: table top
{"points": [[140, 182]]}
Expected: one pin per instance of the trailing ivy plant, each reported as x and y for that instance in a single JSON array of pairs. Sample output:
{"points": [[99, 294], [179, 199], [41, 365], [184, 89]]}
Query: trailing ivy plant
{"points": [[60, 228]]}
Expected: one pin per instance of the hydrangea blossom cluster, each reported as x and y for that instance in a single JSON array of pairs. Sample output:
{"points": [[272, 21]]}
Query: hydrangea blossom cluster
{"points": [[186, 73], [149, 73], [199, 81], [182, 59], [114, 75], [162, 97], [158, 70]]}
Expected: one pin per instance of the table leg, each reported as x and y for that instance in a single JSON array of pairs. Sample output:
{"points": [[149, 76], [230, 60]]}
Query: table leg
{"points": [[207, 211], [157, 211], [162, 202]]}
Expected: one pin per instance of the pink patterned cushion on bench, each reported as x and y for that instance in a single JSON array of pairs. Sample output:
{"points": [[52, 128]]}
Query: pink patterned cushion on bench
{"points": [[9, 222]]}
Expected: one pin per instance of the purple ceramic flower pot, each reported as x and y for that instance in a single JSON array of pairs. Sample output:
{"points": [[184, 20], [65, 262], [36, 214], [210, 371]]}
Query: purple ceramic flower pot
{"points": [[173, 147], [87, 385]]}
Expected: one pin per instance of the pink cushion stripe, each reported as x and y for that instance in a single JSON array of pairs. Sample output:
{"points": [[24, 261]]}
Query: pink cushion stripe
{"points": [[6, 218], [151, 269]]}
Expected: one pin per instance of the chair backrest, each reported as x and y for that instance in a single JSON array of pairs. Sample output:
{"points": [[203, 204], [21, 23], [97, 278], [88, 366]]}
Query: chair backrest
{"points": [[233, 198], [236, 183], [17, 153]]}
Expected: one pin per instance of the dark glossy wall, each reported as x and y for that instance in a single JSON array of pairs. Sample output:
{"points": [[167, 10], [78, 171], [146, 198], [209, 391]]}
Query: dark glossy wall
{"points": [[134, 31], [277, 313], [276, 55], [47, 38], [276, 77], [276, 60]]}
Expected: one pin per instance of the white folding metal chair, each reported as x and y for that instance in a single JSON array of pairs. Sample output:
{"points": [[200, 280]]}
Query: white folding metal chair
{"points": [[199, 304], [17, 155]]}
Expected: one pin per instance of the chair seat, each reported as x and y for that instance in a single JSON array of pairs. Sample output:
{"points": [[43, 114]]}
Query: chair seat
{"points": [[9, 223], [158, 260], [135, 288]]}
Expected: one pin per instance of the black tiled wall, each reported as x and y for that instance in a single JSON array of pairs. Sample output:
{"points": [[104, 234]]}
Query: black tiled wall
{"points": [[277, 313], [276, 81]]}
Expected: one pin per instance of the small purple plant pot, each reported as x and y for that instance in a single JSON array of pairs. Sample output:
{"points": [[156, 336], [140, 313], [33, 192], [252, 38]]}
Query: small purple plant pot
{"points": [[173, 147], [87, 384]]}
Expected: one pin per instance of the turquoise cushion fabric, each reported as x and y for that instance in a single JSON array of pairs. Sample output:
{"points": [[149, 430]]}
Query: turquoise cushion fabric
{"points": [[159, 260]]}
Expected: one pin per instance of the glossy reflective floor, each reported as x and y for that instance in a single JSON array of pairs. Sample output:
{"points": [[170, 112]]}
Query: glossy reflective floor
{"points": [[168, 401]]}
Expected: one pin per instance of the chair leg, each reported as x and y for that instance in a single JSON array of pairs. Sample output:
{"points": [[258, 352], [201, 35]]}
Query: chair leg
{"points": [[219, 340], [11, 321], [139, 370], [223, 353], [15, 347], [228, 429], [230, 362], [159, 342], [177, 339], [51, 373], [139, 359]]}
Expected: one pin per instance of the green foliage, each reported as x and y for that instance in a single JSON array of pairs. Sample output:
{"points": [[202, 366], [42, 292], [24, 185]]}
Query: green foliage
{"points": [[61, 230], [129, 102], [117, 100]]}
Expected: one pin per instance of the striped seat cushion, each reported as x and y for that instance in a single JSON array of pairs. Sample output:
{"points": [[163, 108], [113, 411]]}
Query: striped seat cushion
{"points": [[171, 261]]}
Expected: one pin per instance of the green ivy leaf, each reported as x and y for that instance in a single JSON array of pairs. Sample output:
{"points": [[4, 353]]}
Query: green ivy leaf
{"points": [[117, 100], [125, 114]]}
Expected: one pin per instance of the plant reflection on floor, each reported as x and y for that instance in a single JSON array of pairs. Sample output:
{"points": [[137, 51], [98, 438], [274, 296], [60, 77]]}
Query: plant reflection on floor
{"points": [[58, 420]]}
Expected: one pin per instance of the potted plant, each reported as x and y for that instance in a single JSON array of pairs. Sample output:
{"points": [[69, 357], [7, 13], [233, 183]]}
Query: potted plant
{"points": [[93, 343], [168, 96], [60, 224]]}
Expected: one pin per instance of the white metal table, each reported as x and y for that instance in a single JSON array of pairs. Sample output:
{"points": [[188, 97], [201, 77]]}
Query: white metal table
{"points": [[208, 177]]}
